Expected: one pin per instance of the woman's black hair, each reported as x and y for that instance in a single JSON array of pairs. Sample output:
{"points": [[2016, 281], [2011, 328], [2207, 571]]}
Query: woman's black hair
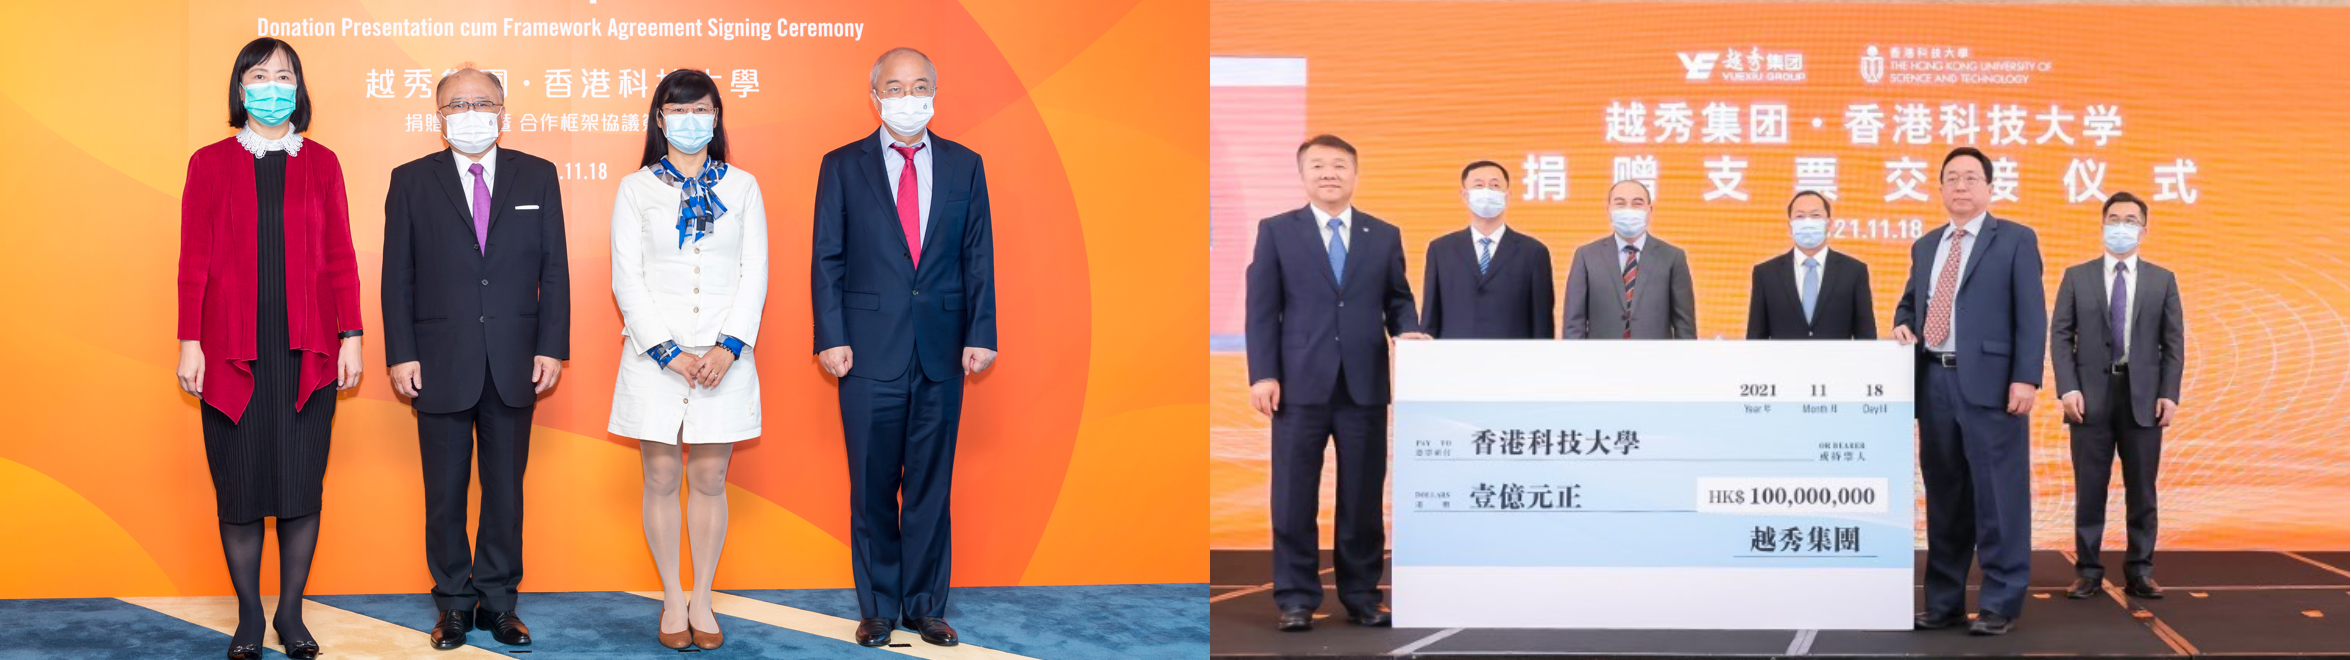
{"points": [[256, 52], [685, 86]]}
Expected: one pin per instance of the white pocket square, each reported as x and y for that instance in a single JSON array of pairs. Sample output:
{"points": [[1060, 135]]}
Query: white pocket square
{"points": [[527, 207]]}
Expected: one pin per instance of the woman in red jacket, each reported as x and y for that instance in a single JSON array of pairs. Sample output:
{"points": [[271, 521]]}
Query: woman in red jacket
{"points": [[269, 317]]}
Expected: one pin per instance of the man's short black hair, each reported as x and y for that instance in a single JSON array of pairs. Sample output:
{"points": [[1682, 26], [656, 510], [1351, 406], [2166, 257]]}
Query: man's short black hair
{"points": [[254, 53], [1485, 163], [1824, 202], [1971, 152], [1326, 140], [2123, 197]]}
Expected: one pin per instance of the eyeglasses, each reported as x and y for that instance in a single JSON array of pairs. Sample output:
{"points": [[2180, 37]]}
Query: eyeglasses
{"points": [[897, 91], [471, 106]]}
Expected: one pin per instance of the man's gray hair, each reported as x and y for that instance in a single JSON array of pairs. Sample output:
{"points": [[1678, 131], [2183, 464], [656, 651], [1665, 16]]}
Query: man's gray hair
{"points": [[466, 68], [876, 81]]}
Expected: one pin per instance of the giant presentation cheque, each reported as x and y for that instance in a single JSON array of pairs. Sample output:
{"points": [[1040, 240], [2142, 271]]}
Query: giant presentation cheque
{"points": [[1653, 484]]}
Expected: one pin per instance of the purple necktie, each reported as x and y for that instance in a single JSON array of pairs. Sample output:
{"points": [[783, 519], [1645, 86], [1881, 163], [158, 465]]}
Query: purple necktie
{"points": [[2115, 307], [481, 209]]}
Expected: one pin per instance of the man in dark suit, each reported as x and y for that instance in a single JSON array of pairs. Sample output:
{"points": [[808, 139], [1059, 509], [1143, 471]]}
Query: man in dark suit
{"points": [[1326, 289], [904, 290], [1629, 285], [2119, 346], [477, 315], [1811, 292], [1486, 282], [1973, 306]]}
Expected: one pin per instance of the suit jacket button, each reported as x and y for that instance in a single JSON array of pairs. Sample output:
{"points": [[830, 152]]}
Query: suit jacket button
{"points": [[483, 319], [697, 289], [485, 282], [697, 310], [1342, 303], [918, 292]]}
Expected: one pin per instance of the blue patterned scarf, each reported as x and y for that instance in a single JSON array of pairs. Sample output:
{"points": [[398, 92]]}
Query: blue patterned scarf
{"points": [[700, 207]]}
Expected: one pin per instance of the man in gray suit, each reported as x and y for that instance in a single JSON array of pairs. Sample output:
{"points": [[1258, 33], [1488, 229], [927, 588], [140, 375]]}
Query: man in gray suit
{"points": [[1629, 285], [2118, 343]]}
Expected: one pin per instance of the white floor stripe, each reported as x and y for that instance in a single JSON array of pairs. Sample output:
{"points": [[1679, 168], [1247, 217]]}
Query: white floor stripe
{"points": [[342, 634], [826, 625], [1424, 642]]}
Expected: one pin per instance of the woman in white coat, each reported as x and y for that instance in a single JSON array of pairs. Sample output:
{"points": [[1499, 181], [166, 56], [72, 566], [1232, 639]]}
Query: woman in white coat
{"points": [[689, 270]]}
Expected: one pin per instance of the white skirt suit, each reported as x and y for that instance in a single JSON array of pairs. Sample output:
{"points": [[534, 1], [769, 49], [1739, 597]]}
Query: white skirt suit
{"points": [[689, 294]]}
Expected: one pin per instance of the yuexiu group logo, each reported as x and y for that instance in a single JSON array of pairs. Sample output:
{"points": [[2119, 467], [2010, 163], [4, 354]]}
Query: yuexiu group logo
{"points": [[1753, 65]]}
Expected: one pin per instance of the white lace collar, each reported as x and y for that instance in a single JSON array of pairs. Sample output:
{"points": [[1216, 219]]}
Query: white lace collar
{"points": [[261, 146]]}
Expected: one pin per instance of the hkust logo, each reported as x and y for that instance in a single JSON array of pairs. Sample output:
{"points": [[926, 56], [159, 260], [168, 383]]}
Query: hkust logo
{"points": [[1751, 65], [1873, 65]]}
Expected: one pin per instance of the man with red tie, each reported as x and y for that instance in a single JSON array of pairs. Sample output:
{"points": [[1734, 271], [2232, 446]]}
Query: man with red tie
{"points": [[904, 289], [1979, 339]]}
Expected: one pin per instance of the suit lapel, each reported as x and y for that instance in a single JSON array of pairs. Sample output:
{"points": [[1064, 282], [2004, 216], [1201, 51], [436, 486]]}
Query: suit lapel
{"points": [[501, 194], [1983, 243], [943, 167], [2096, 274], [1795, 288], [1355, 250], [453, 187], [2144, 305], [877, 179]]}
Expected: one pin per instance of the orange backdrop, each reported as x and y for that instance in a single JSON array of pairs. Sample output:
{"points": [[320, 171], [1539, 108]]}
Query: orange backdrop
{"points": [[2255, 97], [1077, 462]]}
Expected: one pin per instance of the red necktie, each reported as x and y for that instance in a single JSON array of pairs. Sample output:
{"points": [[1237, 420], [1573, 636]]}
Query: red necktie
{"points": [[1946, 286], [910, 203]]}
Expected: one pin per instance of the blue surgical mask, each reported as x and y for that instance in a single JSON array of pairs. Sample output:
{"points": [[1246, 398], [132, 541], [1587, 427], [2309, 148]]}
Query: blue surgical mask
{"points": [[689, 132], [269, 103], [2122, 238], [1628, 223], [1810, 233], [1487, 202]]}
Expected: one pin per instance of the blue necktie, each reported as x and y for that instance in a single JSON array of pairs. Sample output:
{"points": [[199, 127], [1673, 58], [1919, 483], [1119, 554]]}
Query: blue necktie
{"points": [[1338, 248], [1811, 286], [2115, 308], [1485, 254]]}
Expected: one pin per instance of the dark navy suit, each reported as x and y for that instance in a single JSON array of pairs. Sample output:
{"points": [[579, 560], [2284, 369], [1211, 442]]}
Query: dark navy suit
{"points": [[1974, 457], [1512, 299], [906, 328], [1325, 339]]}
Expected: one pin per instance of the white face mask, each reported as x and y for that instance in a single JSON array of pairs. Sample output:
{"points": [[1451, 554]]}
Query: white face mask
{"points": [[907, 115], [2122, 238], [1628, 223], [1810, 234], [471, 132], [1487, 202]]}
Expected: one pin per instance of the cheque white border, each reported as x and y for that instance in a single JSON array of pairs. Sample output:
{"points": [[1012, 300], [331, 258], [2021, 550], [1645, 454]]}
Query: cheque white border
{"points": [[1667, 371]]}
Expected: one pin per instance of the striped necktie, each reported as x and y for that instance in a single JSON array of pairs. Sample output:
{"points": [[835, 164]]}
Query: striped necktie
{"points": [[1632, 272]]}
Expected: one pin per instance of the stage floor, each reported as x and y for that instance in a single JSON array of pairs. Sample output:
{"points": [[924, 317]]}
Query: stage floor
{"points": [[2218, 604], [1145, 622]]}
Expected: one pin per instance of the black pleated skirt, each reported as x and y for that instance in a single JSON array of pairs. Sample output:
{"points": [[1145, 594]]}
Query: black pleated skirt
{"points": [[273, 462]]}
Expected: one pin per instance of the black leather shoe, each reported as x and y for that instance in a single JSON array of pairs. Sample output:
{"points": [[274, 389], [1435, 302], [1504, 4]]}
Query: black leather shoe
{"points": [[1297, 620], [245, 652], [299, 649], [1932, 621], [934, 630], [449, 632], [2144, 587], [503, 626], [2083, 587], [1376, 618], [873, 632], [1987, 623]]}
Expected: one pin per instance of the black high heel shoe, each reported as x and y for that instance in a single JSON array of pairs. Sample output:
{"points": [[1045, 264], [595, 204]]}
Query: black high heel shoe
{"points": [[245, 652]]}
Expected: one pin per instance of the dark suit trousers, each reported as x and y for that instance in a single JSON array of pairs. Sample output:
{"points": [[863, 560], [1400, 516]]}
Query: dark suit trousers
{"points": [[489, 572], [1299, 434], [1976, 465], [2105, 431], [901, 443]]}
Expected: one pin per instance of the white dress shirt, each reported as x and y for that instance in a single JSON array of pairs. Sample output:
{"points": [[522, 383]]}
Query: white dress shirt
{"points": [[489, 163], [1476, 249], [1935, 275], [2130, 293], [895, 165], [1322, 225]]}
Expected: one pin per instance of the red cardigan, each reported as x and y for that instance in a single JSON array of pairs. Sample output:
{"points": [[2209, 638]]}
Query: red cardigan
{"points": [[218, 218]]}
